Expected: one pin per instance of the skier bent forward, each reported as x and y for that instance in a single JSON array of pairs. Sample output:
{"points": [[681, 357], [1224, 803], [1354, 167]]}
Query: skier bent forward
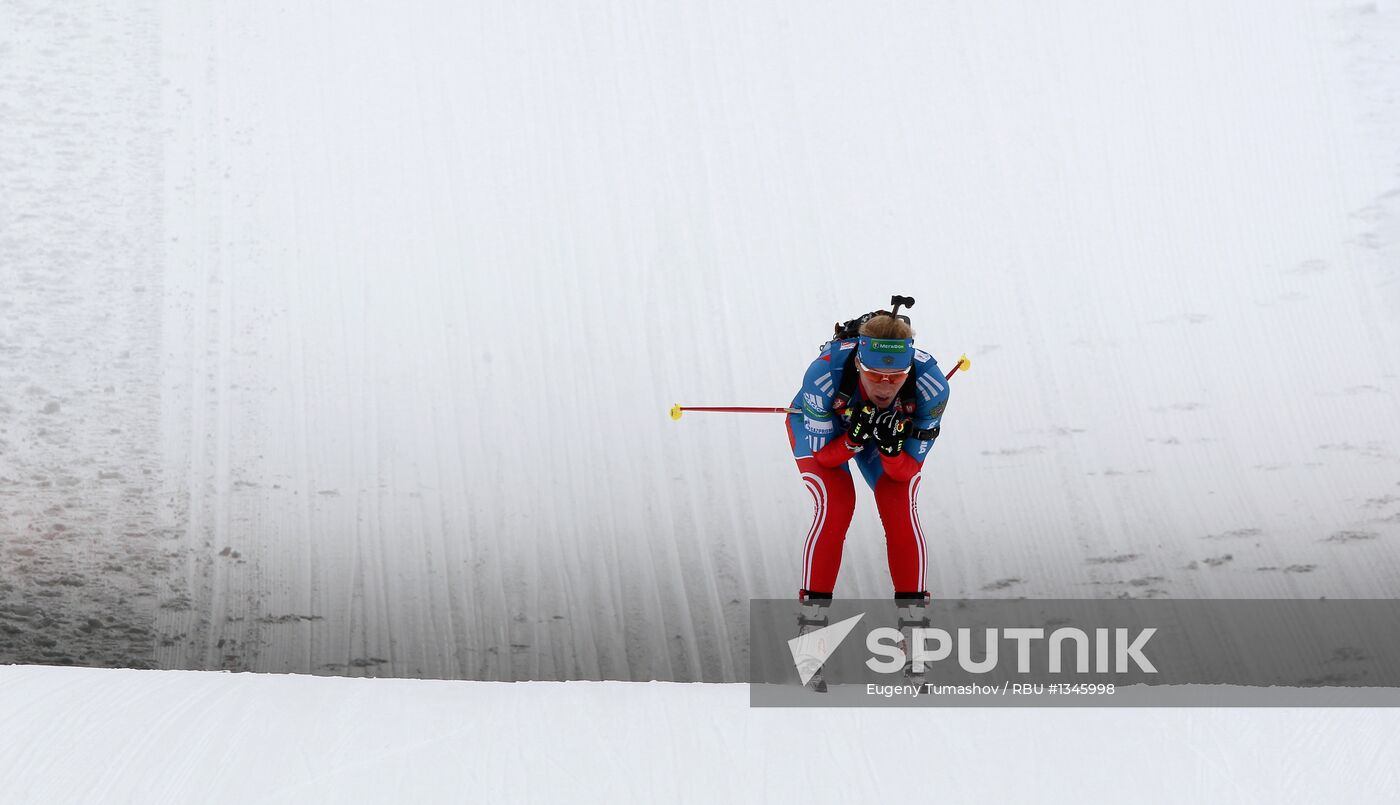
{"points": [[887, 422]]}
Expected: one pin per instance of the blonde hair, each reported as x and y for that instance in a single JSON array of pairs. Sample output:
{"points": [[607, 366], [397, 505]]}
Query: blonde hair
{"points": [[886, 326]]}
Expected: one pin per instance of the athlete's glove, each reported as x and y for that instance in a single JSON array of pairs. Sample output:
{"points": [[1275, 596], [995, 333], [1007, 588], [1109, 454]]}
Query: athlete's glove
{"points": [[862, 427], [889, 429]]}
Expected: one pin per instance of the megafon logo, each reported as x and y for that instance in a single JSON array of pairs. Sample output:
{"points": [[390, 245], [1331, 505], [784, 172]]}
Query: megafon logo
{"points": [[811, 650]]}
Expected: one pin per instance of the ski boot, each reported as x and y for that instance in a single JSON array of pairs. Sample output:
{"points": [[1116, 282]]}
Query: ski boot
{"points": [[815, 614], [912, 609]]}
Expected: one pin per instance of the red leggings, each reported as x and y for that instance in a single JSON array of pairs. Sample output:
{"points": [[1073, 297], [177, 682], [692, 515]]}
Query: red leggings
{"points": [[834, 495]]}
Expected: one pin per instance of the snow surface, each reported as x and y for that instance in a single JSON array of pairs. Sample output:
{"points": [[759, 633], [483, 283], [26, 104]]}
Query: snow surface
{"points": [[339, 338], [84, 735]]}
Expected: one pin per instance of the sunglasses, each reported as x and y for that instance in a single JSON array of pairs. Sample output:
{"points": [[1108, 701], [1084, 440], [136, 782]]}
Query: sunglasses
{"points": [[892, 378]]}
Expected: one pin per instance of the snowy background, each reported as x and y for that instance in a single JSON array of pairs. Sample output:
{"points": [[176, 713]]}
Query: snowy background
{"points": [[338, 338]]}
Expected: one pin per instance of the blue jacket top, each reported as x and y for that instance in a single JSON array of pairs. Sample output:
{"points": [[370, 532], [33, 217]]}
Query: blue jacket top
{"points": [[820, 423]]}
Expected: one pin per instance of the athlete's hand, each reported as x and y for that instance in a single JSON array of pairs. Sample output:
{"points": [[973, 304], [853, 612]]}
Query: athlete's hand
{"points": [[889, 429], [862, 427]]}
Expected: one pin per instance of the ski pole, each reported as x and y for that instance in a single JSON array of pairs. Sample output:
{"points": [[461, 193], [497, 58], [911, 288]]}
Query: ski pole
{"points": [[677, 410], [963, 364]]}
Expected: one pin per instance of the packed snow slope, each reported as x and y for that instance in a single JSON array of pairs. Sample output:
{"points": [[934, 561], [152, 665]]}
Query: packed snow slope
{"points": [[99, 735], [341, 341]]}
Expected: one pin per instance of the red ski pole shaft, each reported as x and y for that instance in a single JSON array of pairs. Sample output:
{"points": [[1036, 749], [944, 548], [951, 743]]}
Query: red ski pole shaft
{"points": [[677, 410]]}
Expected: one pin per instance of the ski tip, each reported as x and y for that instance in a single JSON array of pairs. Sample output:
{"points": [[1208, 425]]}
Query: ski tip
{"points": [[963, 363], [676, 411]]}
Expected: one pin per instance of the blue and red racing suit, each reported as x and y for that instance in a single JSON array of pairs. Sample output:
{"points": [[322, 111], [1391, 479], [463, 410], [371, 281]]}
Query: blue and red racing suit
{"points": [[817, 436]]}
